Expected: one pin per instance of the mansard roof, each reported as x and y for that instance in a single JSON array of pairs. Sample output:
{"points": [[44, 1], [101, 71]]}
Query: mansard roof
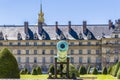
{"points": [[73, 34]]}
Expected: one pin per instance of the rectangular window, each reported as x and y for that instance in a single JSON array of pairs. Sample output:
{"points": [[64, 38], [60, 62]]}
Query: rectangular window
{"points": [[27, 43], [80, 43], [88, 60], [35, 43], [72, 43], [98, 60], [51, 51], [43, 60], [10, 44], [19, 43], [80, 51], [72, 52], [107, 51], [89, 51], [89, 43], [80, 59], [43, 43], [72, 59], [19, 59], [97, 51], [18, 52], [1, 44], [51, 43], [27, 52], [35, 59], [35, 52], [51, 59], [27, 59], [116, 36], [43, 52], [97, 43]]}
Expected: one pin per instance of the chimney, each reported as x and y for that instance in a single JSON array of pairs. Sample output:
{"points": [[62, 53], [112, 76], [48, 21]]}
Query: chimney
{"points": [[69, 26], [84, 26], [110, 24], [56, 26], [26, 27]]}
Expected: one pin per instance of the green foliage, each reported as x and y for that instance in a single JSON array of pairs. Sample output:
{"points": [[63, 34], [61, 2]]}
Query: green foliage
{"points": [[104, 71], [109, 70], [51, 69], [118, 74], [115, 69], [82, 70], [39, 70], [28, 72], [34, 71], [72, 70], [24, 71], [95, 71], [8, 65], [88, 69]]}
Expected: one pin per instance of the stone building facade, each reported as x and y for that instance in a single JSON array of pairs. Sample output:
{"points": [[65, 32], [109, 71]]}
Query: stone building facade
{"points": [[35, 45]]}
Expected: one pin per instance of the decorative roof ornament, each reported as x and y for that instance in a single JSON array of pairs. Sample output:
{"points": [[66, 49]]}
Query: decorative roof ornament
{"points": [[117, 27], [41, 15]]}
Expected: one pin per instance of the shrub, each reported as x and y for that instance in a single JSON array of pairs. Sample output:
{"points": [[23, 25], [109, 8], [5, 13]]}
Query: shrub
{"points": [[28, 72], [39, 70], [109, 70], [24, 71], [95, 71], [118, 74], [51, 69], [104, 71], [34, 71], [82, 70], [8, 65], [72, 70], [88, 69], [115, 70]]}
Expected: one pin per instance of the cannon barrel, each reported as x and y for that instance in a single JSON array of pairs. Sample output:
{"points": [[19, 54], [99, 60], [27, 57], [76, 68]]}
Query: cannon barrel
{"points": [[62, 48]]}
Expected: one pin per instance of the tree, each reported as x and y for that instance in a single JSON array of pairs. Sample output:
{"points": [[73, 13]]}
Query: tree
{"points": [[39, 70], [88, 70], [34, 71], [95, 71], [118, 74], [82, 70], [109, 70], [115, 70], [104, 71], [51, 69], [24, 71], [8, 65]]}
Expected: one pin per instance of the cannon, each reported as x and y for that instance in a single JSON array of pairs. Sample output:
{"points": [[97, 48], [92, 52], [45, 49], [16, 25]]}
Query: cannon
{"points": [[62, 49]]}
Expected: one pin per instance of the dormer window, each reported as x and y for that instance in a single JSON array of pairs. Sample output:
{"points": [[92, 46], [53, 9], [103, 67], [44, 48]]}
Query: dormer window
{"points": [[62, 36], [19, 36], [89, 36], [80, 36], [35, 36], [1, 36], [43, 36], [27, 37]]}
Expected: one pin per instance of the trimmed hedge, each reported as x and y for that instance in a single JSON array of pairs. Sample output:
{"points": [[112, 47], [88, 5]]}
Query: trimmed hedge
{"points": [[95, 71], [88, 69], [24, 71], [38, 70], [8, 65], [109, 70], [34, 71], [51, 69], [82, 70], [115, 69], [104, 71], [118, 74]]}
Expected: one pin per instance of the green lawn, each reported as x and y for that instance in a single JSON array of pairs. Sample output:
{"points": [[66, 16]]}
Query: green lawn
{"points": [[99, 77]]}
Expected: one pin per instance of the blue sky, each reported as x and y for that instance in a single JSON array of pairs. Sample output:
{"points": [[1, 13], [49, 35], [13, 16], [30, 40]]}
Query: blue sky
{"points": [[15, 12]]}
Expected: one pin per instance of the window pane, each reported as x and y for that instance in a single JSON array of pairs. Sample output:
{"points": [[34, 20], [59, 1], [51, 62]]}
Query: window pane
{"points": [[35, 43], [80, 51], [88, 60], [43, 52], [27, 43], [35, 52], [89, 51], [51, 51], [97, 51], [18, 52], [27, 59], [35, 59], [27, 52], [72, 59], [43, 60], [80, 59], [19, 59], [51, 59], [72, 52]]}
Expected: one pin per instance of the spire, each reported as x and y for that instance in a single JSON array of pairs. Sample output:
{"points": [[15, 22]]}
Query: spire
{"points": [[41, 15]]}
